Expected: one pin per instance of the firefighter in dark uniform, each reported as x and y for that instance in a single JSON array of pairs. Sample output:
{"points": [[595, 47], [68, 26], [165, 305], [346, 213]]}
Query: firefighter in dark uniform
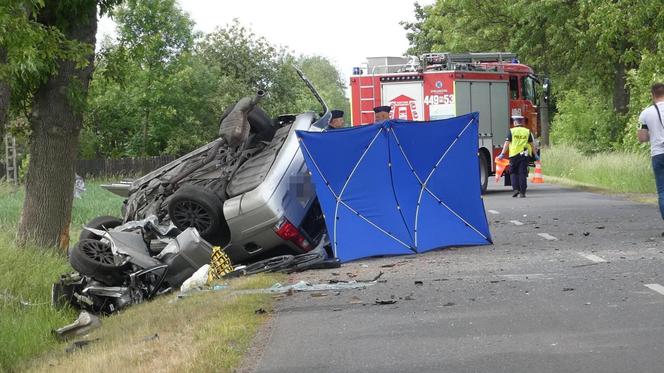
{"points": [[519, 143], [381, 113], [336, 121]]}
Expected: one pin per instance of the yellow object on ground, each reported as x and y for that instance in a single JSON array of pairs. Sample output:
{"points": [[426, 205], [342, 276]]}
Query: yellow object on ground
{"points": [[220, 264]]}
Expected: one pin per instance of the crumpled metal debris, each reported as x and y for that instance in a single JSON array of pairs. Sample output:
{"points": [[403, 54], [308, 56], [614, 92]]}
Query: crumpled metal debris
{"points": [[84, 324]]}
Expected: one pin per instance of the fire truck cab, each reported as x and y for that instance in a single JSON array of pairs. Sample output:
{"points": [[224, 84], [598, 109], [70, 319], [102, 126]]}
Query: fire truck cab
{"points": [[443, 85]]}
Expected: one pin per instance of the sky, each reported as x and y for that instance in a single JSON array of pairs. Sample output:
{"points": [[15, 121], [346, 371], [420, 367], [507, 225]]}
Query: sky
{"points": [[344, 31]]}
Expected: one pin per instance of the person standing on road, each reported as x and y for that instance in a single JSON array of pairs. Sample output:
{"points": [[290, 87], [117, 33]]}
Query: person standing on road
{"points": [[336, 121], [652, 129], [517, 142]]}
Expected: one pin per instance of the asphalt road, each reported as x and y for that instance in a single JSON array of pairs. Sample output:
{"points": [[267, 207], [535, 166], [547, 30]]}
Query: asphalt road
{"points": [[573, 283]]}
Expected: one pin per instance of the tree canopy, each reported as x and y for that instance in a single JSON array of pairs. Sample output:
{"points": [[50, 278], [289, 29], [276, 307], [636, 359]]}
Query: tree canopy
{"points": [[160, 88], [596, 52]]}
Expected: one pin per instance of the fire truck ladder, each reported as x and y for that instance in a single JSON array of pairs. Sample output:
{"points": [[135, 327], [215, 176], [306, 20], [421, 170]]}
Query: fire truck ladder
{"points": [[367, 98], [11, 172]]}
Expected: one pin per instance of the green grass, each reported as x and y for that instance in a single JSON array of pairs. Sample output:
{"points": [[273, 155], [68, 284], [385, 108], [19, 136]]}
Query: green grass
{"points": [[26, 274], [206, 332], [620, 172]]}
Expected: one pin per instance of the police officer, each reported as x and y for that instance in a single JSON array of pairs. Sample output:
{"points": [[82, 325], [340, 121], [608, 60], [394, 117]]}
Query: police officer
{"points": [[381, 113], [337, 120], [518, 140]]}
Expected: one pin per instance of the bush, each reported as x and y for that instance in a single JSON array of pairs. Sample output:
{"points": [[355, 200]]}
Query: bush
{"points": [[651, 70], [587, 121]]}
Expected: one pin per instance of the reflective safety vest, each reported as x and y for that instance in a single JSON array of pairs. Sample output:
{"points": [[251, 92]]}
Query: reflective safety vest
{"points": [[519, 143]]}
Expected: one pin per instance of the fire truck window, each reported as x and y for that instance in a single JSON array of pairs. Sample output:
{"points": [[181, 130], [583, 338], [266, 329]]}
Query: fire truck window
{"points": [[528, 88], [514, 87]]}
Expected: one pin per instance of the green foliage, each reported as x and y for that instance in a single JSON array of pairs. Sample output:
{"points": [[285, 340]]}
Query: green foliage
{"points": [[325, 77], [162, 92], [586, 121], [33, 34], [588, 47]]}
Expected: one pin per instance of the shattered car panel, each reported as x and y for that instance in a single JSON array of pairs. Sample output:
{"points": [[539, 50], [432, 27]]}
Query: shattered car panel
{"points": [[132, 270]]}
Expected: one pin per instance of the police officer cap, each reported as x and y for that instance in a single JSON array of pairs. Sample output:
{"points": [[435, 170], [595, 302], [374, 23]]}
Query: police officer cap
{"points": [[382, 109], [337, 114]]}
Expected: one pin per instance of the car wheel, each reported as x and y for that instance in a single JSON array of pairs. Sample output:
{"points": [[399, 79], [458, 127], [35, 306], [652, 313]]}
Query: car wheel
{"points": [[196, 207], [100, 222], [484, 173], [95, 258]]}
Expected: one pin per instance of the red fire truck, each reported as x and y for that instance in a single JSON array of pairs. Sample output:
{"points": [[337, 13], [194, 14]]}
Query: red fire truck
{"points": [[443, 85]]}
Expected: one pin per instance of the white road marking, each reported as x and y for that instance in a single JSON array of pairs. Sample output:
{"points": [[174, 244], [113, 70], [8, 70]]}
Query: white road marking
{"points": [[593, 258], [547, 236], [494, 212], [656, 287], [516, 222]]}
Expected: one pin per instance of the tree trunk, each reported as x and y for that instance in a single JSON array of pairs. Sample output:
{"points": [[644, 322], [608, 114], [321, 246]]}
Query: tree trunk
{"points": [[620, 91], [4, 96], [146, 122], [56, 121]]}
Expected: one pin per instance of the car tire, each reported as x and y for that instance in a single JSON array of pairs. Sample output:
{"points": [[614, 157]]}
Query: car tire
{"points": [[94, 258], [197, 207], [100, 222], [484, 173]]}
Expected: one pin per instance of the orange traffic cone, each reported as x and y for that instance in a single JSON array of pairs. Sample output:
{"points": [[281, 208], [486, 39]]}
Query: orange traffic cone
{"points": [[501, 164], [537, 178]]}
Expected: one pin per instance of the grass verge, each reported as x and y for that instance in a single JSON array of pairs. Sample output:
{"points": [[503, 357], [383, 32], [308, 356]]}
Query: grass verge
{"points": [[26, 315], [205, 332], [26, 275], [619, 172]]}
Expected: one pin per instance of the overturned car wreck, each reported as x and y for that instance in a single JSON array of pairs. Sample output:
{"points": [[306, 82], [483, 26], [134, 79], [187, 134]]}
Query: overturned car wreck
{"points": [[247, 191]]}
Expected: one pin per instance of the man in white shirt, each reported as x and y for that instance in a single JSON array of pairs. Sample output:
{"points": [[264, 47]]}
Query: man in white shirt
{"points": [[652, 129]]}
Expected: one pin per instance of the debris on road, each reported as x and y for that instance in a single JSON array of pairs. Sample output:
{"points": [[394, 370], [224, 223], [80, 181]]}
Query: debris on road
{"points": [[419, 283], [385, 301], [305, 286], [568, 289]]}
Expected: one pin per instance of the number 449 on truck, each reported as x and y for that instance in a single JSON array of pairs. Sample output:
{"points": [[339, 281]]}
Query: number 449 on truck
{"points": [[443, 85]]}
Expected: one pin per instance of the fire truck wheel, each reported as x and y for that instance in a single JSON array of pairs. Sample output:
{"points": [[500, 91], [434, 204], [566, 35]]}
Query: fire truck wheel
{"points": [[484, 173]]}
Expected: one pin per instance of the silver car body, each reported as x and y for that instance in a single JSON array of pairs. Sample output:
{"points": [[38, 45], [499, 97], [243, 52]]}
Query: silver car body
{"points": [[285, 192]]}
